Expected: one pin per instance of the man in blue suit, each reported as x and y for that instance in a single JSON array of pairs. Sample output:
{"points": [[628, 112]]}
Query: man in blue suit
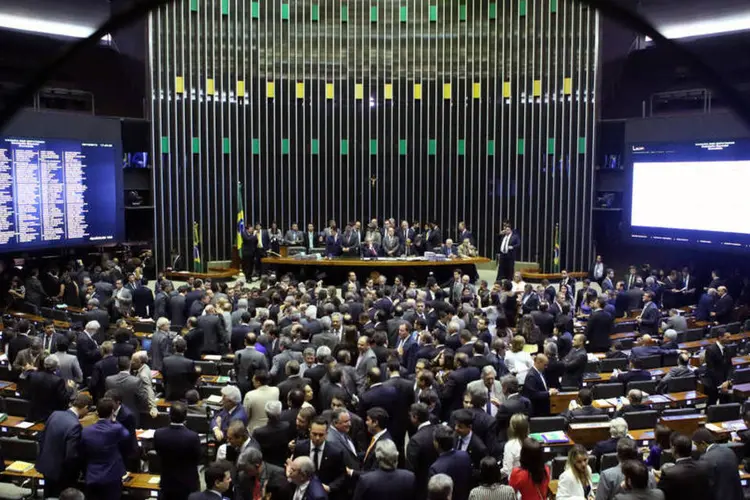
{"points": [[301, 473], [231, 409], [333, 243], [407, 345], [447, 249], [453, 463], [706, 305], [58, 456], [103, 448], [387, 481], [125, 417], [378, 394], [179, 449], [648, 321], [218, 480], [535, 387]]}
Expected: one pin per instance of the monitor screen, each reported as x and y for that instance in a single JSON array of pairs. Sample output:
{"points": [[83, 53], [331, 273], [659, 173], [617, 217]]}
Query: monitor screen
{"points": [[58, 192], [691, 193]]}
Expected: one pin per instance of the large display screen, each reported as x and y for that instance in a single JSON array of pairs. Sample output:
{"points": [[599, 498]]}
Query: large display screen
{"points": [[691, 193], [58, 192]]}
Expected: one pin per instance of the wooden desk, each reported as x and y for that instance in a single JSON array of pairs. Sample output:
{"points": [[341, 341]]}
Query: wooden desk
{"points": [[213, 274], [12, 423], [684, 424], [589, 433], [206, 379], [741, 390], [656, 373], [224, 357], [722, 430], [140, 481], [697, 344], [560, 401], [737, 361], [63, 325]]}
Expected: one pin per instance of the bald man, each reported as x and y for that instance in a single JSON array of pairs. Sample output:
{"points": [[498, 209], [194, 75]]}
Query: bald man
{"points": [[575, 363], [535, 387], [722, 313]]}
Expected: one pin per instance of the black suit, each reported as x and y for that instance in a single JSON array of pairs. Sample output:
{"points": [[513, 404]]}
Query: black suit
{"points": [[212, 327], [143, 301], [179, 449], [385, 484], [515, 403], [18, 344], [535, 390], [598, 329], [179, 376], [575, 367], [723, 309], [453, 389], [58, 456], [99, 315], [686, 480], [399, 421], [384, 396], [176, 310], [650, 317], [102, 369], [47, 393], [270, 437], [289, 385], [368, 460], [507, 260], [545, 321], [718, 365], [87, 353], [331, 471], [420, 454]]}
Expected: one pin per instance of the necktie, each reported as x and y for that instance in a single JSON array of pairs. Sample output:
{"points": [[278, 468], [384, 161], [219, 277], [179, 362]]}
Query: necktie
{"points": [[47, 343], [257, 491], [316, 458], [489, 403], [372, 443], [260, 241]]}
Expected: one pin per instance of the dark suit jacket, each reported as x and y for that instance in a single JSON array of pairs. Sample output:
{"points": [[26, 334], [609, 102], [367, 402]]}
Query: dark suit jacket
{"points": [[58, 446], [179, 376], [176, 309], [533, 388], [103, 446], [143, 301], [384, 396], [453, 389], [381, 484], [476, 450], [289, 385], [99, 315], [332, 471], [650, 317], [598, 329], [514, 404], [531, 303], [268, 437], [213, 332], [179, 449], [457, 465], [632, 376], [102, 369], [333, 245], [718, 365], [420, 455], [515, 242], [545, 321], [723, 309], [687, 480], [87, 353], [47, 393], [315, 490], [606, 446], [405, 397], [575, 366], [583, 411], [368, 460]]}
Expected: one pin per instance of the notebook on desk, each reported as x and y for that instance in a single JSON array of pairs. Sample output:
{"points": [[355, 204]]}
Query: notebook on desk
{"points": [[659, 399], [20, 467], [550, 437]]}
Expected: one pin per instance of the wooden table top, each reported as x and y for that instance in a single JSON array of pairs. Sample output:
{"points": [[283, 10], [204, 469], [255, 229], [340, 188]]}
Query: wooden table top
{"points": [[656, 373], [723, 429], [358, 262], [741, 390], [697, 344]]}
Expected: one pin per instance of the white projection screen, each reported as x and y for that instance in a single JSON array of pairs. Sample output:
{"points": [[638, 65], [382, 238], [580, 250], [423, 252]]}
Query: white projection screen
{"points": [[692, 195]]}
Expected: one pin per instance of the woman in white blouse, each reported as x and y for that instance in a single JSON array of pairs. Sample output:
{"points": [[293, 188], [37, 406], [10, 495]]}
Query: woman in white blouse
{"points": [[518, 430], [575, 482], [518, 361], [518, 283]]}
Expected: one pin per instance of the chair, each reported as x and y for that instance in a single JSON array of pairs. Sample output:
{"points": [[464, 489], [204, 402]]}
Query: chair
{"points": [[19, 449], [29, 308], [669, 359], [677, 412], [17, 407], [546, 424], [739, 451], [682, 384], [5, 371], [650, 362], [734, 327], [741, 376], [154, 462], [627, 343], [722, 413], [207, 367], [78, 318], [607, 461], [609, 365], [148, 422], [693, 334], [198, 423], [717, 331], [225, 368], [59, 315], [209, 390], [144, 327], [641, 419], [47, 312], [680, 337], [647, 386], [592, 367], [587, 419], [666, 458], [606, 391]]}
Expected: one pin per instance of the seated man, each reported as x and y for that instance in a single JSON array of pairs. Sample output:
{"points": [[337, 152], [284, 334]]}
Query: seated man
{"points": [[675, 322], [635, 373], [647, 347], [634, 403], [616, 351], [618, 428], [582, 406], [681, 370], [670, 340]]}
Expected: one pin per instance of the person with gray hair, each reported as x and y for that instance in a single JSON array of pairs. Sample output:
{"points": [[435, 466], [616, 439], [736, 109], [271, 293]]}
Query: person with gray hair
{"points": [[309, 356], [285, 355], [274, 432], [301, 473], [242, 306], [253, 467], [387, 481], [161, 343], [95, 313], [231, 410], [440, 487], [491, 387], [30, 358], [618, 428], [46, 391]]}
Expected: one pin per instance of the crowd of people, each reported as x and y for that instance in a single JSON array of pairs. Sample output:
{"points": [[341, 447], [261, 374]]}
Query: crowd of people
{"points": [[360, 390]]}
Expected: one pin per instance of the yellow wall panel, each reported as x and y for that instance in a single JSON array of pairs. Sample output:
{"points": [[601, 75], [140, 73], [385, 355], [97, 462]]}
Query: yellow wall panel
{"points": [[179, 84], [359, 91], [389, 91], [300, 90], [476, 90], [240, 88], [270, 89], [417, 91], [537, 88], [447, 91], [330, 91], [506, 89]]}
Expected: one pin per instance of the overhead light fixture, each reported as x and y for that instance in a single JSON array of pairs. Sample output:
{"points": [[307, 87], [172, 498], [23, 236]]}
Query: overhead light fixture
{"points": [[41, 26], [716, 26]]}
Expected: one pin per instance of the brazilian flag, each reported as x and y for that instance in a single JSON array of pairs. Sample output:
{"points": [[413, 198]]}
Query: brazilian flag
{"points": [[197, 264], [240, 219], [556, 250]]}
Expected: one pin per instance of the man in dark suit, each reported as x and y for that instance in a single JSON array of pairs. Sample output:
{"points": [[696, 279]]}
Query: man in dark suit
{"points": [[178, 372], [508, 244], [95, 313], [706, 305], [404, 398], [215, 340], [582, 406], [218, 479], [387, 481], [258, 243], [618, 429], [328, 459], [467, 440], [568, 282], [378, 395], [599, 327], [724, 307], [274, 432], [293, 381], [688, 479], [87, 349], [530, 300], [634, 374], [544, 319], [634, 403], [50, 337], [454, 386], [453, 463], [59, 458], [648, 320], [179, 450], [176, 307], [300, 472], [535, 387], [718, 367], [433, 238], [102, 369], [723, 462], [421, 452], [575, 362], [46, 391], [104, 445], [131, 388], [334, 243], [377, 426], [340, 434], [514, 403]]}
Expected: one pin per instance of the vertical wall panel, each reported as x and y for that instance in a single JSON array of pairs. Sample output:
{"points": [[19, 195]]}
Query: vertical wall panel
{"points": [[426, 110]]}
